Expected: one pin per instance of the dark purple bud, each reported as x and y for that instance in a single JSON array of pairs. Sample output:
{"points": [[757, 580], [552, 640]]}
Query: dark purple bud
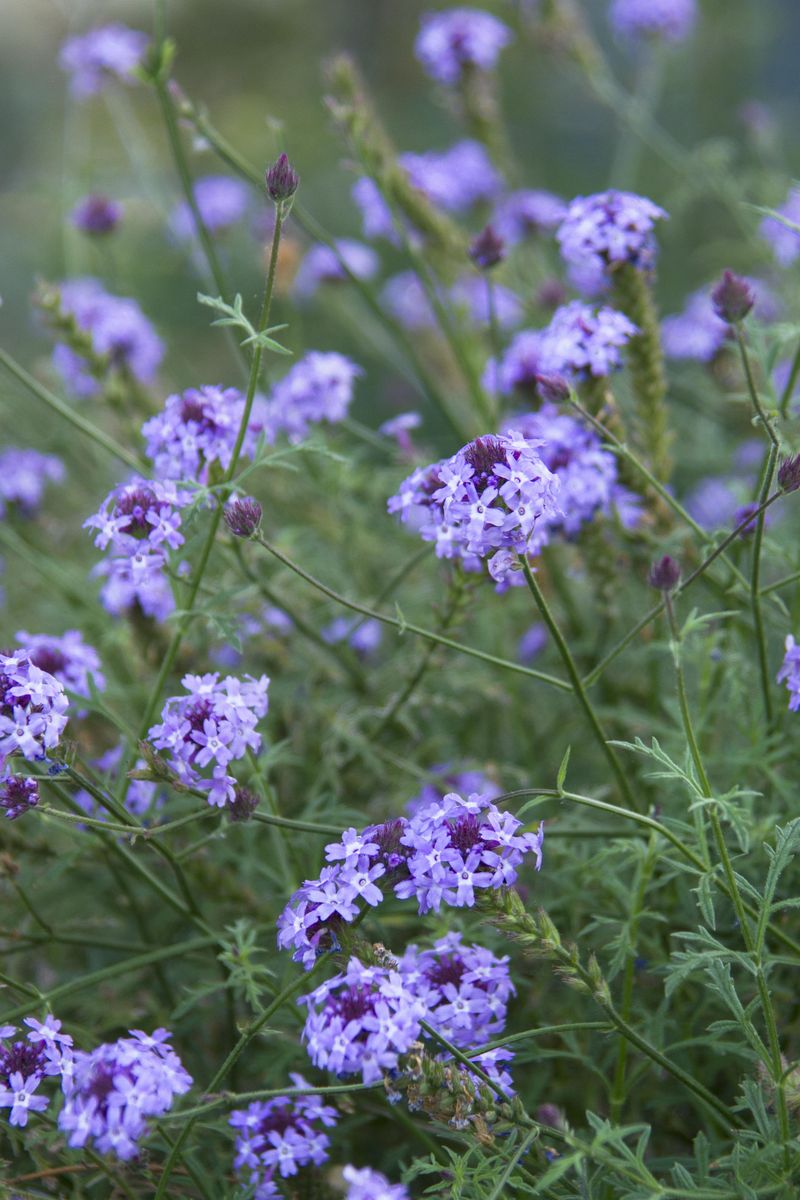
{"points": [[243, 517], [550, 1114], [742, 514], [789, 473], [732, 298], [96, 215], [282, 180], [664, 574], [242, 806], [487, 249], [551, 294], [553, 389], [17, 795]]}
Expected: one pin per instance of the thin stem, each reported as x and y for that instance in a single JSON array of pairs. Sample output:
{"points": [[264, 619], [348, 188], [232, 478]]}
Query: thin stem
{"points": [[755, 588], [788, 391], [751, 386], [688, 726]]}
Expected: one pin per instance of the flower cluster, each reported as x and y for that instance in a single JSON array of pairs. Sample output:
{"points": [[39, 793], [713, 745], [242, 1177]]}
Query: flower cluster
{"points": [[453, 179], [278, 1136], [46, 1052], [108, 52], [671, 20], [317, 388], [790, 672], [457, 38], [139, 522], [117, 1086], [197, 429], [485, 500], [18, 795], [32, 708], [210, 727], [67, 658], [361, 1022], [610, 228], [365, 1184], [221, 202], [323, 264], [440, 854], [24, 474], [524, 214], [118, 332]]}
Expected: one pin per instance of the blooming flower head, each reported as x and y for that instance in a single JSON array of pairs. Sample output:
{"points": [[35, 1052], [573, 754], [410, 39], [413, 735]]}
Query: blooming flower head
{"points": [[33, 708], [790, 672], [117, 1087], [365, 1184], [24, 1064], [24, 474], [221, 202], [585, 343], [96, 215], [324, 265], [361, 1022], [66, 657], [197, 429], [483, 503], [784, 240], [457, 38], [317, 388], [524, 214], [18, 795], [278, 1136], [445, 780], [209, 728], [670, 20], [610, 228], [108, 52], [454, 179]]}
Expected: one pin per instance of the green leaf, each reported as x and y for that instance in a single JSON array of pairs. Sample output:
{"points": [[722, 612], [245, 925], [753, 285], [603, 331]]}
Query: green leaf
{"points": [[562, 770]]}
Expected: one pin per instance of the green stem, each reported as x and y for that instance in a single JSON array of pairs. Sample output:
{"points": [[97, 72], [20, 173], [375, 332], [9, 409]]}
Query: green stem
{"points": [[791, 380], [688, 727], [751, 386], [755, 588]]}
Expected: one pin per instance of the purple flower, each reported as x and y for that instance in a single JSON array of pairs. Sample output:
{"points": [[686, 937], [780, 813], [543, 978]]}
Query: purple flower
{"points": [[484, 501], [110, 51], [67, 658], [221, 202], [697, 332], [197, 429], [364, 636], [610, 228], [532, 642], [454, 179], [321, 265], [376, 216], [446, 780], [211, 727], [404, 297], [32, 708], [243, 516], [20, 1099], [400, 428], [317, 388], [580, 343], [672, 20], [790, 673], [278, 1136], [784, 240], [472, 294], [25, 1064], [24, 474], [18, 795], [713, 502], [117, 1087], [524, 214], [365, 1184], [96, 215], [457, 38]]}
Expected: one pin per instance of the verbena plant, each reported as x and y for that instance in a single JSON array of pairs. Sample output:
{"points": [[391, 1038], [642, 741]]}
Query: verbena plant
{"points": [[489, 889]]}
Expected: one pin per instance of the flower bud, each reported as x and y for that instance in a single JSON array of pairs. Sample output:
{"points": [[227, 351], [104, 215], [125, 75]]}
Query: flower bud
{"points": [[487, 249], [282, 180], [789, 473], [732, 298], [553, 389], [243, 517], [664, 574], [96, 215], [242, 806]]}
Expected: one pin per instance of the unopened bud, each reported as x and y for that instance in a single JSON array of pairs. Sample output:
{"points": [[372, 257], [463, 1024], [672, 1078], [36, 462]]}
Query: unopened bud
{"points": [[242, 806], [733, 297], [282, 180], [789, 473], [243, 517], [664, 574], [553, 389], [487, 249]]}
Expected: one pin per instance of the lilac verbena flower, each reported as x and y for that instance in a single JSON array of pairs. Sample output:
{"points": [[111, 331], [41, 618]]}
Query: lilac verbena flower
{"points": [[524, 214], [465, 989], [96, 215], [610, 228], [365, 1184], [361, 1022], [142, 797], [483, 503], [321, 265], [532, 642], [671, 20], [210, 727], [221, 202], [108, 52], [197, 429], [784, 240], [444, 780], [405, 299], [18, 795], [400, 428], [449, 41], [117, 1087], [317, 388], [24, 474], [118, 332], [364, 636], [278, 1136], [790, 672], [66, 657], [454, 179], [138, 523], [376, 216], [45, 1053], [33, 709]]}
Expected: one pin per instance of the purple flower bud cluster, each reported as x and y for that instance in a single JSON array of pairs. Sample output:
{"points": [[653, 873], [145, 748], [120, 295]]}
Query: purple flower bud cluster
{"points": [[449, 41], [221, 202], [24, 474], [117, 1087], [322, 264], [361, 1022], [455, 179], [317, 388], [96, 215], [790, 672], [698, 332], [108, 52], [118, 329], [45, 1053], [278, 1136], [67, 658], [139, 522], [672, 20], [523, 214], [197, 429], [784, 240], [211, 727], [486, 500], [18, 795], [610, 228], [33, 709], [440, 854], [365, 1184]]}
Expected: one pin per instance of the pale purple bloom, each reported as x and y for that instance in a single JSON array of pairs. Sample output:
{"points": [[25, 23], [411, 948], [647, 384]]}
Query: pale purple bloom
{"points": [[524, 214], [610, 228], [532, 642], [108, 52], [672, 20], [405, 298], [33, 708], [66, 657], [24, 474], [197, 429], [454, 179], [45, 1054], [221, 202], [364, 636], [322, 264], [279, 1136], [96, 215], [317, 388], [365, 1184], [20, 1098], [790, 673], [400, 428], [472, 293], [784, 240], [457, 38], [376, 216], [713, 502], [582, 342], [697, 332]]}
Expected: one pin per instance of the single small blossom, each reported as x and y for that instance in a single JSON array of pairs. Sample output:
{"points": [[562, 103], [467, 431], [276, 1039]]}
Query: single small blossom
{"points": [[610, 228], [696, 332], [24, 475], [109, 52], [450, 41], [96, 215], [444, 780], [221, 201], [278, 1137], [455, 179], [669, 20], [33, 708], [790, 672], [365, 1184], [322, 264], [783, 238]]}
